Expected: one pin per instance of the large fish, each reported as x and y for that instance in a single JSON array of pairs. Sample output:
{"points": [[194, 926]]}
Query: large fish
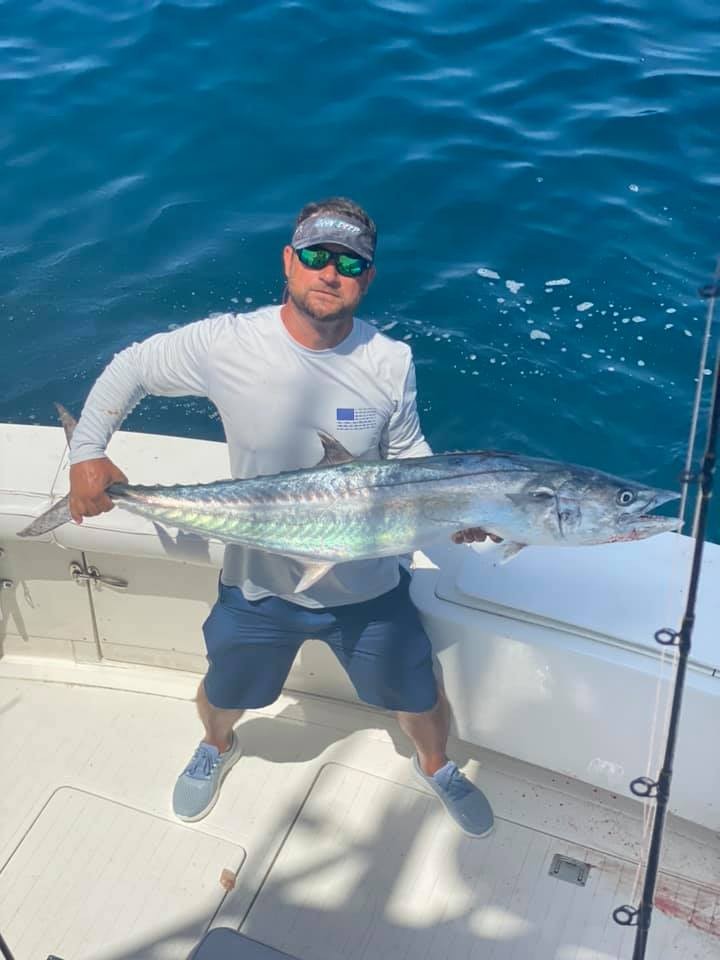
{"points": [[347, 509]]}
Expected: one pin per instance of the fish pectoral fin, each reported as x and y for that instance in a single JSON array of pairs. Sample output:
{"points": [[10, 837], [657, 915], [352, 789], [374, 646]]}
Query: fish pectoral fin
{"points": [[335, 452], [510, 550], [312, 573]]}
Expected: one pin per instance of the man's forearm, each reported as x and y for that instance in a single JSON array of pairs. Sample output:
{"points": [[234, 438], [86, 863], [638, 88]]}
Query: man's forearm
{"points": [[116, 392]]}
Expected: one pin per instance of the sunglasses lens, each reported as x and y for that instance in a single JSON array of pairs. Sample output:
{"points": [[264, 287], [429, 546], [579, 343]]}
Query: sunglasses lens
{"points": [[314, 259], [350, 266], [317, 258]]}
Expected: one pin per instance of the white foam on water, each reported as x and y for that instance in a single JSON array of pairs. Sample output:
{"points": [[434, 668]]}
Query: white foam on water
{"points": [[586, 356], [639, 319], [585, 305], [625, 320], [488, 274], [671, 310], [562, 282], [248, 299], [668, 326], [388, 326], [539, 335], [707, 372], [513, 285], [234, 300], [687, 333], [641, 363], [634, 187], [555, 309], [473, 356], [578, 326]]}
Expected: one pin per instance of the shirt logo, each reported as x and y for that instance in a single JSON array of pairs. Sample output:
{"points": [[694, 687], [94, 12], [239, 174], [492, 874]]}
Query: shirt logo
{"points": [[356, 418]]}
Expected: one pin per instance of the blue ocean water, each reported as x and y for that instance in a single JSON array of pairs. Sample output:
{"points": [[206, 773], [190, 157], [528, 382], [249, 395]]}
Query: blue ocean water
{"points": [[544, 177]]}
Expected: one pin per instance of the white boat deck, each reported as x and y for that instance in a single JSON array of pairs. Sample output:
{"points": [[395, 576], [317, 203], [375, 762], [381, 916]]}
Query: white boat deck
{"points": [[322, 844]]}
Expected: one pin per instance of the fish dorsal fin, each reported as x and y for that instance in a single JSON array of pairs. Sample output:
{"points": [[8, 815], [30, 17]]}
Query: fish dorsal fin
{"points": [[335, 452], [67, 420]]}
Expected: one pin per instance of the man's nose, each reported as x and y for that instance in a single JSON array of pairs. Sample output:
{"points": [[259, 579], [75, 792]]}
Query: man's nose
{"points": [[329, 273]]}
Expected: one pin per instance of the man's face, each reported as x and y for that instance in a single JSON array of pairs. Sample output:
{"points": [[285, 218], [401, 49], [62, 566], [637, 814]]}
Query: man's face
{"points": [[324, 295]]}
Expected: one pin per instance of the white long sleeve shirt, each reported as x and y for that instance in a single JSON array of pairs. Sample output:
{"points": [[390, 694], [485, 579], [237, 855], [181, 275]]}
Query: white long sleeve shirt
{"points": [[273, 395]]}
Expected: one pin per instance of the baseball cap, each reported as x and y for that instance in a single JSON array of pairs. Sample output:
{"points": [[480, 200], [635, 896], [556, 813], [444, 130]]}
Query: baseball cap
{"points": [[335, 228]]}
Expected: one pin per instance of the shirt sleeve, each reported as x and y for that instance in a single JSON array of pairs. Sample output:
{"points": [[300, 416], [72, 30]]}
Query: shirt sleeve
{"points": [[167, 364], [404, 433]]}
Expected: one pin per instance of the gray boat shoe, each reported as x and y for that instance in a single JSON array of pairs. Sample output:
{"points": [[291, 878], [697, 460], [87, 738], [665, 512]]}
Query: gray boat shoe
{"points": [[198, 786], [466, 804]]}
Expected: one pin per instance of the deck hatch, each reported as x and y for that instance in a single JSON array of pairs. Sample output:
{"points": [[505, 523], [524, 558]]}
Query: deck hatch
{"points": [[96, 880]]}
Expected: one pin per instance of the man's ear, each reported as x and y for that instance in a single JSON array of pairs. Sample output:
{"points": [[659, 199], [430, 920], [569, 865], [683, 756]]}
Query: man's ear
{"points": [[287, 256]]}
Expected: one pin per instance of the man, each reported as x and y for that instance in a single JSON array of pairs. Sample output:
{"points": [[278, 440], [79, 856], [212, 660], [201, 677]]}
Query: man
{"points": [[276, 376]]}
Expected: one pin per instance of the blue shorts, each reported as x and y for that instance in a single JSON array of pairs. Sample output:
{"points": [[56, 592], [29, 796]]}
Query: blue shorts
{"points": [[251, 645]]}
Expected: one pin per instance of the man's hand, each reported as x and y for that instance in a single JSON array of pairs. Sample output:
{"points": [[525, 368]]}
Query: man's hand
{"points": [[474, 535], [88, 482]]}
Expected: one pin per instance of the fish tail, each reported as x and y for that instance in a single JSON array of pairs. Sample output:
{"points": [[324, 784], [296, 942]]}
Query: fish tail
{"points": [[67, 420], [58, 514]]}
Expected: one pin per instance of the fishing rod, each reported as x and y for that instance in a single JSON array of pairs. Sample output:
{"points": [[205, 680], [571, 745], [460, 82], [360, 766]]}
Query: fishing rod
{"points": [[5, 949], [645, 787]]}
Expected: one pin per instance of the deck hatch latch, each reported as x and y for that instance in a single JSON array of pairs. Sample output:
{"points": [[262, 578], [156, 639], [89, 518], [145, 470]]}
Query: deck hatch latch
{"points": [[572, 871]]}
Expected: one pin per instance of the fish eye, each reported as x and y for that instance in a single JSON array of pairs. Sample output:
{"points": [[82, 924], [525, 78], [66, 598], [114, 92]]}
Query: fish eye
{"points": [[625, 497], [542, 493]]}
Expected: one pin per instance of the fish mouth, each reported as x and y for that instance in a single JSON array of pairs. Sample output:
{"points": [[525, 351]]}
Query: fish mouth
{"points": [[637, 526]]}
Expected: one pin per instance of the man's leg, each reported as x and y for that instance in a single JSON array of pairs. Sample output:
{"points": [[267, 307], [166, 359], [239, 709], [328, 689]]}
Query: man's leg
{"points": [[429, 732], [197, 787], [465, 803], [387, 654], [251, 646], [218, 723]]}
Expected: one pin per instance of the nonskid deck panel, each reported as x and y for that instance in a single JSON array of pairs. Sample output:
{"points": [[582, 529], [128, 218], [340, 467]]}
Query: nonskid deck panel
{"points": [[343, 846]]}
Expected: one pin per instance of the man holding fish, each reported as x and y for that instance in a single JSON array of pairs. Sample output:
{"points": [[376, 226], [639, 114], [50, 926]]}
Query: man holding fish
{"points": [[277, 376]]}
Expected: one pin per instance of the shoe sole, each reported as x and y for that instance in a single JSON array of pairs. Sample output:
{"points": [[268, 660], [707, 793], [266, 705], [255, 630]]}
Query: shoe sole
{"points": [[229, 764]]}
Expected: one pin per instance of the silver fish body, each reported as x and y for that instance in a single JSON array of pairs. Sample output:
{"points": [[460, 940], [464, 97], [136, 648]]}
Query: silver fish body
{"points": [[364, 509], [347, 509]]}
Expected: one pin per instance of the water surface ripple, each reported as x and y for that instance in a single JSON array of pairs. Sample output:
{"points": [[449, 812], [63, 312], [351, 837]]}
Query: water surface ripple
{"points": [[544, 177]]}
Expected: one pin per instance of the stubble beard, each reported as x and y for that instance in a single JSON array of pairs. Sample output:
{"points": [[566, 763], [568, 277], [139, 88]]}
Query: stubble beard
{"points": [[341, 315]]}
